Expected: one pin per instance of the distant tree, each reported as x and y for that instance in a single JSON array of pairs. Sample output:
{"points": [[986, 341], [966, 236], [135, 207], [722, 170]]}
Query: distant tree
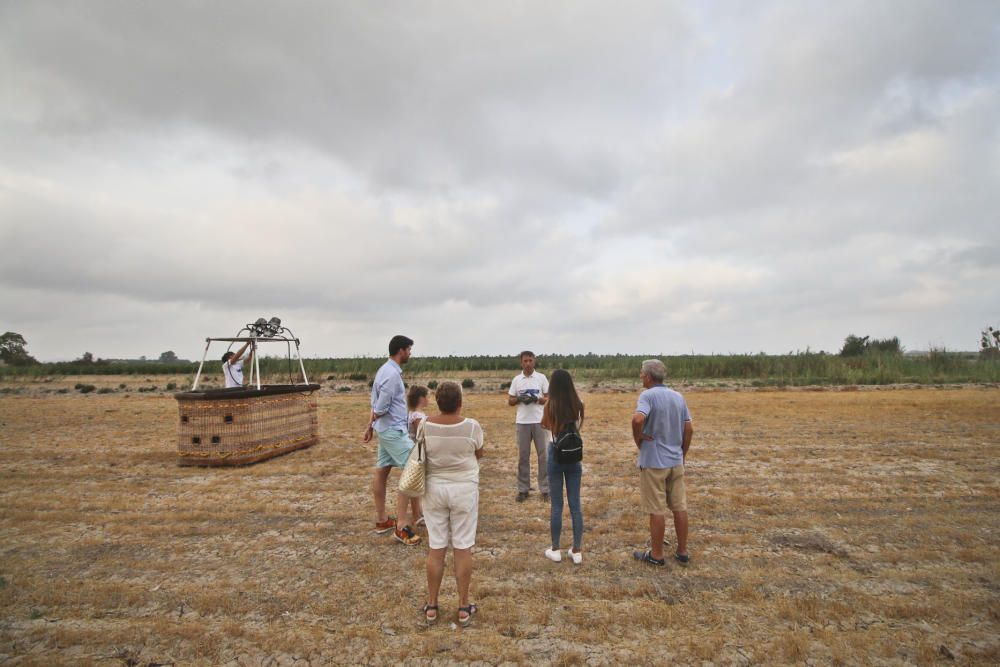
{"points": [[87, 358], [990, 343], [168, 356], [12, 350], [886, 345], [854, 346]]}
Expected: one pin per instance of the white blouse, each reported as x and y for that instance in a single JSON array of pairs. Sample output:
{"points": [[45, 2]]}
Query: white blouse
{"points": [[451, 451]]}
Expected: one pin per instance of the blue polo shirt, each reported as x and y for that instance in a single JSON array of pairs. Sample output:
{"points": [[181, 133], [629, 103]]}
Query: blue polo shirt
{"points": [[389, 398], [666, 411]]}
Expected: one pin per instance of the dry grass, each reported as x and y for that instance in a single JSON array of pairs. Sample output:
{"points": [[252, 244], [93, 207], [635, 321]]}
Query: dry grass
{"points": [[832, 527]]}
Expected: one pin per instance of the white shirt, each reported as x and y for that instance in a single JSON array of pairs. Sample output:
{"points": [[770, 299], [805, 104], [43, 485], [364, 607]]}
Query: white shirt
{"points": [[233, 372], [537, 384], [413, 421], [451, 451]]}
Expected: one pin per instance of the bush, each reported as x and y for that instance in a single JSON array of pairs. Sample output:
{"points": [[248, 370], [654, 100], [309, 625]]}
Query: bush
{"points": [[943, 361], [433, 384], [105, 390], [468, 383], [171, 386], [64, 390], [123, 386], [506, 385], [358, 377], [886, 345], [854, 346], [343, 389], [84, 388]]}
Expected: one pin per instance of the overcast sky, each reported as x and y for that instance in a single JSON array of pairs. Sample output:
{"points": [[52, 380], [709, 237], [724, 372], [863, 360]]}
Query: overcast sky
{"points": [[646, 177]]}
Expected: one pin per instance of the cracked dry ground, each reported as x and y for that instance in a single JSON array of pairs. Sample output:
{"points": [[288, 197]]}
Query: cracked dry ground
{"points": [[827, 527]]}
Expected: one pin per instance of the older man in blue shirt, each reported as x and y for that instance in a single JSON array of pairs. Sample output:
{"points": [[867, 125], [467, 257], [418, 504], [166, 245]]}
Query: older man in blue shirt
{"points": [[661, 429], [388, 420]]}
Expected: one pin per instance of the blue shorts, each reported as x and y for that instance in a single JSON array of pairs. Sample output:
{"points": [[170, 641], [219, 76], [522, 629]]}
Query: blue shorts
{"points": [[393, 448]]}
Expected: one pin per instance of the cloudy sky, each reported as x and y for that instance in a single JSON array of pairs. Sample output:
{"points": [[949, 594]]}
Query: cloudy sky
{"points": [[570, 177]]}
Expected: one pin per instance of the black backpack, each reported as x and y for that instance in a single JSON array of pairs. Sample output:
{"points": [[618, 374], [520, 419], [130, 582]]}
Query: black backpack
{"points": [[569, 444]]}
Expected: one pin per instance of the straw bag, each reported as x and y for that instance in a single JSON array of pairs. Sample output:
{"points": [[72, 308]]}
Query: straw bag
{"points": [[411, 482]]}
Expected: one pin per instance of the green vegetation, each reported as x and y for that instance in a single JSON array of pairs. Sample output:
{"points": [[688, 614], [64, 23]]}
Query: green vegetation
{"points": [[468, 383], [855, 346], [803, 368]]}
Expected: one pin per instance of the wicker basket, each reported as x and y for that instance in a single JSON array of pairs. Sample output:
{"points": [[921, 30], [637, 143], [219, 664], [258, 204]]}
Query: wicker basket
{"points": [[230, 427]]}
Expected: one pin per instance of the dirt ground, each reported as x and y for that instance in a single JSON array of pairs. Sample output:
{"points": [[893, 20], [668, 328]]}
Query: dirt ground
{"points": [[831, 527]]}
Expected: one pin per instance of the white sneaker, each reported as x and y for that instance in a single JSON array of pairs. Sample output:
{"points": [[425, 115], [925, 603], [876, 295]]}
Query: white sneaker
{"points": [[576, 556], [553, 556]]}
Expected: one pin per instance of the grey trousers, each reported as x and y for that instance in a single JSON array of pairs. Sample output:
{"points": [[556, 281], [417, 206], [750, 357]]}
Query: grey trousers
{"points": [[525, 434]]}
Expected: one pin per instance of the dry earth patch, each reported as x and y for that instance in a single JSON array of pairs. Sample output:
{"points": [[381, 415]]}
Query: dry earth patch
{"points": [[827, 528]]}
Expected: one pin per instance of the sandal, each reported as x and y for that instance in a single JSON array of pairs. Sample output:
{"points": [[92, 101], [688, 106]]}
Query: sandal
{"points": [[430, 613], [647, 557], [469, 611]]}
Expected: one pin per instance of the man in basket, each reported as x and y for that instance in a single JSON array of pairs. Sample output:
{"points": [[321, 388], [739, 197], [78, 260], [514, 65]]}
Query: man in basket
{"points": [[389, 421], [232, 366]]}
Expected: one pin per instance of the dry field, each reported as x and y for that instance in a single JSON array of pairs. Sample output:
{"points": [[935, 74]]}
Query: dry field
{"points": [[827, 527]]}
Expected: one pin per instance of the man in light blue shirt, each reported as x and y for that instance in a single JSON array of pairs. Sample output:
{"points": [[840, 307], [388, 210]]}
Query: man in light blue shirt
{"points": [[661, 429], [388, 420]]}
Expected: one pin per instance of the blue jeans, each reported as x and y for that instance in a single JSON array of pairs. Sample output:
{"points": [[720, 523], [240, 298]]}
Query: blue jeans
{"points": [[572, 473]]}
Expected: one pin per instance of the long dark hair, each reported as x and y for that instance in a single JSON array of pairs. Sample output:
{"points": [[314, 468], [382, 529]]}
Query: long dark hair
{"points": [[564, 405]]}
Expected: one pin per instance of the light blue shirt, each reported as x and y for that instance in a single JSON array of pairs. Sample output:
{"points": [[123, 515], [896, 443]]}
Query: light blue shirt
{"points": [[666, 411], [389, 398]]}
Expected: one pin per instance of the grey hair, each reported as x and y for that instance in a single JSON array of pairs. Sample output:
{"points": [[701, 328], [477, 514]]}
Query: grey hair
{"points": [[655, 369]]}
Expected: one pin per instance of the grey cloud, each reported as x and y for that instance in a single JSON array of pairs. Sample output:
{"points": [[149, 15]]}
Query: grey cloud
{"points": [[469, 94], [349, 267], [980, 256], [636, 176]]}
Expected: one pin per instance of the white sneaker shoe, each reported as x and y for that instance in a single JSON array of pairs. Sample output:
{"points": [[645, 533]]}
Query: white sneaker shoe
{"points": [[576, 556], [553, 556]]}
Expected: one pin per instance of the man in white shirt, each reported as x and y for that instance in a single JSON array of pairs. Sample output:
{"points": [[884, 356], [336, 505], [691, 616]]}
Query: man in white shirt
{"points": [[529, 391], [232, 371]]}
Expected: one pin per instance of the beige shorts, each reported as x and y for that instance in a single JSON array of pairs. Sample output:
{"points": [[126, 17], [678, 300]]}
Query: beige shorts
{"points": [[663, 488], [451, 513]]}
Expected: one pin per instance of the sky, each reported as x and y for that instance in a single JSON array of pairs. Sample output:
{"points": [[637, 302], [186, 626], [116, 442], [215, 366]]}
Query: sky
{"points": [[637, 177]]}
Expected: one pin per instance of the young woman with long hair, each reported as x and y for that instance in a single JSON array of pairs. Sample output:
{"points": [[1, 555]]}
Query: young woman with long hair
{"points": [[563, 407]]}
